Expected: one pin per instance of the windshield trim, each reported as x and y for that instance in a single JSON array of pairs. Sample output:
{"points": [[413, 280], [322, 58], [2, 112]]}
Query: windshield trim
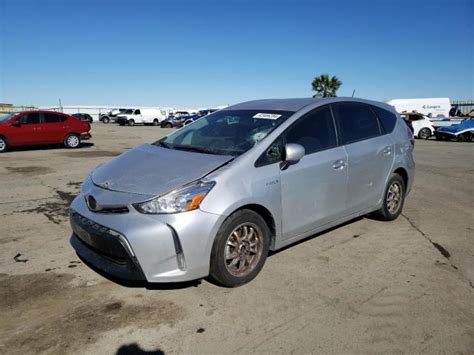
{"points": [[8, 117]]}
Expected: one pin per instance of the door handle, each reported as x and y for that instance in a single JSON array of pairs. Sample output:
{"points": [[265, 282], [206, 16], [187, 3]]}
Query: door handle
{"points": [[339, 164], [387, 150]]}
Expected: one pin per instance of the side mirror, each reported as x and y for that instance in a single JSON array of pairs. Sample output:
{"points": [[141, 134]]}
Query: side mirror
{"points": [[293, 153], [16, 124]]}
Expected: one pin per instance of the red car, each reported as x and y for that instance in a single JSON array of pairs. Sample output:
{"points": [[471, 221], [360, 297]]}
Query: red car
{"points": [[42, 127]]}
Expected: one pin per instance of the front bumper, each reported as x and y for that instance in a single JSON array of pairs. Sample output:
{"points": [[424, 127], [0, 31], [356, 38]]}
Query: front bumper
{"points": [[157, 248]]}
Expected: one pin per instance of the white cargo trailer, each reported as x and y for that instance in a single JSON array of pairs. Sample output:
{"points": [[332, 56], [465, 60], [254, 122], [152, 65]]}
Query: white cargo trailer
{"points": [[432, 107]]}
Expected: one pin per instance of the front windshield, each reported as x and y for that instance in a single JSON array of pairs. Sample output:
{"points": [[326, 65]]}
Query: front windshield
{"points": [[226, 132], [7, 117]]}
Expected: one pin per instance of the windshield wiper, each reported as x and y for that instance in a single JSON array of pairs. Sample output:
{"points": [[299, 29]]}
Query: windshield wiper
{"points": [[164, 145], [194, 149]]}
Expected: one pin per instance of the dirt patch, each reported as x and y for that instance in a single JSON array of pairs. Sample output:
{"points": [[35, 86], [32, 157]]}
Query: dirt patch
{"points": [[55, 211], [75, 184], [46, 313], [30, 170], [90, 154], [6, 240]]}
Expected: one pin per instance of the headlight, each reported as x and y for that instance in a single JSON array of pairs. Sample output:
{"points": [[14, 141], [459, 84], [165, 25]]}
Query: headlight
{"points": [[185, 199]]}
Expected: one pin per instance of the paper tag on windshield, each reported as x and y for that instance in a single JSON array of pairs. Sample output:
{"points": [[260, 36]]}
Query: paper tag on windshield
{"points": [[267, 116]]}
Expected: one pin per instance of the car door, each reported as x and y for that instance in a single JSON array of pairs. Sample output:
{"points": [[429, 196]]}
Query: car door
{"points": [[370, 154], [53, 127], [313, 191], [29, 131], [137, 116]]}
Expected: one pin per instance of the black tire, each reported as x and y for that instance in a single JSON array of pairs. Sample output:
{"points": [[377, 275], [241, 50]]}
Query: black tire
{"points": [[465, 137], [386, 213], [72, 141], [3, 145], [91, 120], [105, 119], [222, 273], [156, 122], [424, 133], [169, 125], [131, 123]]}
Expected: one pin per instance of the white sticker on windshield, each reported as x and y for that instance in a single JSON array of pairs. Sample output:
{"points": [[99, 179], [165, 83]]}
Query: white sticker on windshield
{"points": [[267, 116]]}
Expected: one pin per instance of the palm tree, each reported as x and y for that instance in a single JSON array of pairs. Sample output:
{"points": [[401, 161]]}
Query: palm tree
{"points": [[326, 87]]}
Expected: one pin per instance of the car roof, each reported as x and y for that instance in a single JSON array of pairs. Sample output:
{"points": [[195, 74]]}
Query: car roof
{"points": [[296, 104], [42, 111]]}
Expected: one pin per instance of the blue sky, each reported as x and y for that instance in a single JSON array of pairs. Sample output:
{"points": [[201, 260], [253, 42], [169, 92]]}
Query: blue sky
{"points": [[206, 53]]}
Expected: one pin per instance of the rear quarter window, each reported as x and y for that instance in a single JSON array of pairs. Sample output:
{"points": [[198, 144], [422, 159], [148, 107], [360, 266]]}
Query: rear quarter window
{"points": [[387, 119]]}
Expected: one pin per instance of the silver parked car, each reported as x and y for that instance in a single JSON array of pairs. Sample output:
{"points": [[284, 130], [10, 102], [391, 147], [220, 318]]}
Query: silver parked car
{"points": [[215, 196]]}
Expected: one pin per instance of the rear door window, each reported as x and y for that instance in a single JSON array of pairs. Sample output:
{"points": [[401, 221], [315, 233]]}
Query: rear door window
{"points": [[356, 122], [51, 118]]}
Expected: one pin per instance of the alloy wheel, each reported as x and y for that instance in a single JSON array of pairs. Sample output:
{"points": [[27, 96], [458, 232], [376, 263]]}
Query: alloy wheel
{"points": [[394, 197], [72, 141], [243, 249]]}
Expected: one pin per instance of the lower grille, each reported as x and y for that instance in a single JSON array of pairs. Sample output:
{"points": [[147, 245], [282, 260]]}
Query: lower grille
{"points": [[100, 238]]}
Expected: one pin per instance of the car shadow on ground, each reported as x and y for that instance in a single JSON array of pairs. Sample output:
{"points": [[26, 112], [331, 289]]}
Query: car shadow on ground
{"points": [[271, 253], [141, 284], [135, 349], [196, 283], [28, 148]]}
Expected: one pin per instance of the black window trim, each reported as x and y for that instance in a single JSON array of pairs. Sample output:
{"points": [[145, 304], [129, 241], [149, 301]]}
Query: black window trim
{"points": [[282, 135], [381, 130]]}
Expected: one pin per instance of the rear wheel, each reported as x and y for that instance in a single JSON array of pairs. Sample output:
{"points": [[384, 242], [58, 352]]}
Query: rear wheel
{"points": [[105, 119], [131, 122], [424, 133], [394, 198], [240, 249], [156, 122], [72, 141], [169, 125], [465, 137], [3, 145]]}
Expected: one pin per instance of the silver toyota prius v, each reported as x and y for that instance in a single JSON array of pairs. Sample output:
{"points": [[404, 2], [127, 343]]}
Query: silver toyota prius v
{"points": [[211, 199]]}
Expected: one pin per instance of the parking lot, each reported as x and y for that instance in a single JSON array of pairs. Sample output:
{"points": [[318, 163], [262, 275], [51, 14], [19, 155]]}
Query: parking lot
{"points": [[368, 286]]}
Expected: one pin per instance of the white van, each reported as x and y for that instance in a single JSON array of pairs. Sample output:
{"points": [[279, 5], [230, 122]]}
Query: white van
{"points": [[152, 116], [431, 107]]}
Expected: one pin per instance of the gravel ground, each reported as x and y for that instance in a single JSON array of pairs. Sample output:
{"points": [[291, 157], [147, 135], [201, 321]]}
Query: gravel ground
{"points": [[367, 286]]}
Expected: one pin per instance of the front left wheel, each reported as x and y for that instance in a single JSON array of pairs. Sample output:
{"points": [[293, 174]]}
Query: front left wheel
{"points": [[72, 141], [240, 249]]}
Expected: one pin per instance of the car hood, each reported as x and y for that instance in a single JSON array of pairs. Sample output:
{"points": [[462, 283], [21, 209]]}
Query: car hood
{"points": [[152, 170]]}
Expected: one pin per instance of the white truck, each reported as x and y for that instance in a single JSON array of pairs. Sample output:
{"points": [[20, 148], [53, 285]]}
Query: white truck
{"points": [[431, 107], [144, 116]]}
